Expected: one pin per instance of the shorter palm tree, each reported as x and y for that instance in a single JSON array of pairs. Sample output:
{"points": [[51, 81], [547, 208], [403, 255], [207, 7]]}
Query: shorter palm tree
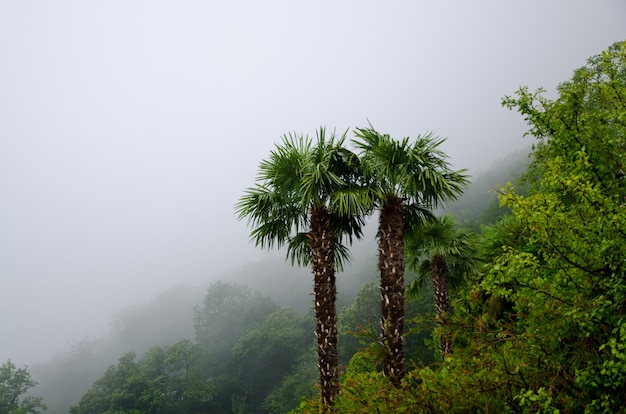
{"points": [[437, 250]]}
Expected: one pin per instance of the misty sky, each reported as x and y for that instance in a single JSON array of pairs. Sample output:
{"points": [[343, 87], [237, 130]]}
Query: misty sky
{"points": [[128, 129]]}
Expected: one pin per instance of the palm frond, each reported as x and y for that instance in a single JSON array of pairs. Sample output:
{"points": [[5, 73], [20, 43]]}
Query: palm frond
{"points": [[298, 249], [440, 237], [298, 173], [422, 269], [416, 216], [416, 171]]}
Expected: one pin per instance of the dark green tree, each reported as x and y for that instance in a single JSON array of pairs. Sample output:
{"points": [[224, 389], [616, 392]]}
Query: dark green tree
{"points": [[229, 312], [307, 197], [407, 179], [14, 385], [358, 322], [269, 353], [164, 380], [298, 384]]}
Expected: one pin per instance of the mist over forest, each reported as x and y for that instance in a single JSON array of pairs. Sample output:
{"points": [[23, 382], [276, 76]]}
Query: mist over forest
{"points": [[169, 317], [131, 132]]}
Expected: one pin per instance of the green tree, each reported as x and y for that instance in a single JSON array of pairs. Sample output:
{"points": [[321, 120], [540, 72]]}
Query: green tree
{"points": [[357, 322], [307, 198], [229, 312], [268, 353], [439, 251], [587, 115], [567, 281], [165, 380], [407, 179], [542, 327], [296, 385], [556, 267], [14, 385]]}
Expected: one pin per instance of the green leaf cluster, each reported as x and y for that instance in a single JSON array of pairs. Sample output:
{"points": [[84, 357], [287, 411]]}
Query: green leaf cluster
{"points": [[166, 379], [14, 386], [542, 326]]}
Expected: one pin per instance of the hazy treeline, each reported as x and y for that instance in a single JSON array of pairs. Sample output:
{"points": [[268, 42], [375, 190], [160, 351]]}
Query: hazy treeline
{"points": [[258, 351], [170, 318], [479, 203], [538, 327]]}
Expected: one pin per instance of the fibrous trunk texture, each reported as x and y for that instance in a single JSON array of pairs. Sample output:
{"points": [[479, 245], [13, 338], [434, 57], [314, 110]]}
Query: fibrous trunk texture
{"points": [[391, 267], [439, 272], [321, 241]]}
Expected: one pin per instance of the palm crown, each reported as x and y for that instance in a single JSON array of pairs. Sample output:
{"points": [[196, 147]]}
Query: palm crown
{"points": [[295, 177]]}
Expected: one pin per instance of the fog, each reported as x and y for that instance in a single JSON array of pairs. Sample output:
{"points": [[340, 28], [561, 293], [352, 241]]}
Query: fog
{"points": [[128, 130]]}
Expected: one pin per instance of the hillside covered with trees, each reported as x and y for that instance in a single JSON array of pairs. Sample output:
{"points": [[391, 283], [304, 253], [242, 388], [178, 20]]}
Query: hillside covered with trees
{"points": [[466, 306]]}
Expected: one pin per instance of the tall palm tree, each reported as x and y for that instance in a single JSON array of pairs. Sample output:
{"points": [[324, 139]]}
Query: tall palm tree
{"points": [[407, 180], [437, 250], [303, 200]]}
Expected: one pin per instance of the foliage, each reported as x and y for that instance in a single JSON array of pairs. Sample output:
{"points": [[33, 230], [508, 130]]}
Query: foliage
{"points": [[542, 328], [14, 385], [299, 174], [229, 311], [406, 180], [447, 256], [249, 351], [298, 384], [269, 353], [309, 198], [589, 115], [440, 237], [165, 380], [479, 204], [359, 322], [166, 319]]}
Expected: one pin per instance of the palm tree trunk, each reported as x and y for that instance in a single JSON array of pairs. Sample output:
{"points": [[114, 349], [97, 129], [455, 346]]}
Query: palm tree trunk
{"points": [[439, 272], [391, 268], [321, 241]]}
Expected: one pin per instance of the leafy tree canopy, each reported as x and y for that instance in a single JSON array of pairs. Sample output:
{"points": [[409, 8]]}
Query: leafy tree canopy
{"points": [[14, 385], [164, 380], [543, 327]]}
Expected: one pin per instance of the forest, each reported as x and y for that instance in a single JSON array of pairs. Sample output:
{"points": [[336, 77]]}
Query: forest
{"points": [[505, 292]]}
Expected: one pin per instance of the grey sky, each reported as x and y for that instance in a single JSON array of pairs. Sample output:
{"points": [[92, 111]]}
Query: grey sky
{"points": [[128, 129]]}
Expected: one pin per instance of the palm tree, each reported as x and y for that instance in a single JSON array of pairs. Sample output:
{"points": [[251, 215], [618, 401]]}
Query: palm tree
{"points": [[407, 180], [303, 200], [447, 256]]}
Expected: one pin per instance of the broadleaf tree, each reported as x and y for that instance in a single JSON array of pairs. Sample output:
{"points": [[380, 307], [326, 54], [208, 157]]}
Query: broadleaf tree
{"points": [[14, 386], [164, 380], [542, 328]]}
